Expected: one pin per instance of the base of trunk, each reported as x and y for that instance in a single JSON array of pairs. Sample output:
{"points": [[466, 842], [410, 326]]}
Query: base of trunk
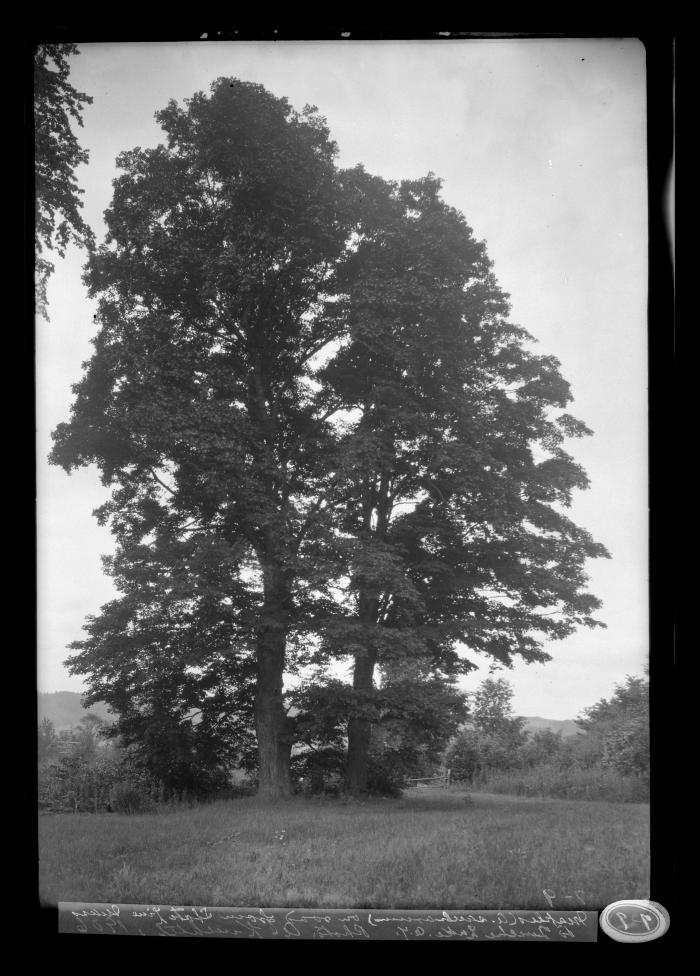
{"points": [[273, 792], [360, 726], [274, 729], [274, 753]]}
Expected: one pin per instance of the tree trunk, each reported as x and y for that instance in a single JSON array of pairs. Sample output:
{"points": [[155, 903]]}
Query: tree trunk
{"points": [[360, 728], [317, 781], [273, 727], [376, 500]]}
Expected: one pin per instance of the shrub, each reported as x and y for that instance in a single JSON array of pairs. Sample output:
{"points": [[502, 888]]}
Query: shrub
{"points": [[241, 788], [88, 781], [318, 771], [129, 797], [386, 776], [76, 783]]}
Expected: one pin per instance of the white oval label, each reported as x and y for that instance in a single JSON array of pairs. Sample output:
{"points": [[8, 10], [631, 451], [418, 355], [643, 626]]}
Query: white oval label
{"points": [[634, 921]]}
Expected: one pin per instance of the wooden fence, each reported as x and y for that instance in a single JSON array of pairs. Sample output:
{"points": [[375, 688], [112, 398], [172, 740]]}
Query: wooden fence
{"points": [[439, 782]]}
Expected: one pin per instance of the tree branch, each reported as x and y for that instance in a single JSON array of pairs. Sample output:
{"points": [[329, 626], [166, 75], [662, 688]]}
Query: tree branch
{"points": [[162, 483], [307, 522], [318, 346], [286, 456]]}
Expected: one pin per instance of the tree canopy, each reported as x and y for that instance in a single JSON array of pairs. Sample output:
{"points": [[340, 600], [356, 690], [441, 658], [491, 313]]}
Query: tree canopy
{"points": [[454, 469], [57, 154], [323, 436], [217, 287], [492, 736], [620, 725]]}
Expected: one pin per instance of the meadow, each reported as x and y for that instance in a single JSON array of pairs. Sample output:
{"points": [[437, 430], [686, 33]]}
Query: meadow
{"points": [[432, 850]]}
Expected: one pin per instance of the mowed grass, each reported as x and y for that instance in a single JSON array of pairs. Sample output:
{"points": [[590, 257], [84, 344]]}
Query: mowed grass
{"points": [[427, 851]]}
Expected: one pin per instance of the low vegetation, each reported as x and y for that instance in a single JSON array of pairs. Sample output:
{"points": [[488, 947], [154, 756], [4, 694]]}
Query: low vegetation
{"points": [[427, 850], [566, 782]]}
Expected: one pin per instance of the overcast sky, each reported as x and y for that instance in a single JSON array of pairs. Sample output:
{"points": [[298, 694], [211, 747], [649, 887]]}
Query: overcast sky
{"points": [[542, 146]]}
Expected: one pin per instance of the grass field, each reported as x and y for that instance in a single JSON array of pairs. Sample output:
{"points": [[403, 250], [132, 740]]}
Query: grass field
{"points": [[444, 850]]}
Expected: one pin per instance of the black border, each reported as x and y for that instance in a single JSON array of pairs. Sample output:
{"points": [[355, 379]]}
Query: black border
{"points": [[663, 554], [661, 53]]}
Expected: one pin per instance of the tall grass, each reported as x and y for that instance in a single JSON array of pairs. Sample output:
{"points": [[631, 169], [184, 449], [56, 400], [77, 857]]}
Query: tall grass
{"points": [[572, 783], [442, 851]]}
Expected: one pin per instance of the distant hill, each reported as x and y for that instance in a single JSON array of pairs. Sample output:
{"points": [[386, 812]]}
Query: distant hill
{"points": [[533, 723], [63, 708]]}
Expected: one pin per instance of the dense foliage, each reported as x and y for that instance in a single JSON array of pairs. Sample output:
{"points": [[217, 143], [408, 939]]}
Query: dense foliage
{"points": [[492, 737], [89, 769], [216, 289], [412, 718], [80, 771], [620, 725], [607, 760], [57, 154], [454, 477]]}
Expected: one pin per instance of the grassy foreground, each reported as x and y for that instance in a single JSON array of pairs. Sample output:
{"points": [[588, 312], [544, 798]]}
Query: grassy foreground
{"points": [[427, 851]]}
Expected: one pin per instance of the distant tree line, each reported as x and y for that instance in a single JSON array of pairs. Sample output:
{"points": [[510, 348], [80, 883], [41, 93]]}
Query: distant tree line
{"points": [[88, 769], [609, 759]]}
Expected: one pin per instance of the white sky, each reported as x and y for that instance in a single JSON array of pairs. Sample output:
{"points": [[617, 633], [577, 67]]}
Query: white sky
{"points": [[542, 146]]}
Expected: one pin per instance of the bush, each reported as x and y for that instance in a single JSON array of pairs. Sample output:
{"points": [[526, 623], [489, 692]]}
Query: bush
{"points": [[242, 788], [318, 771], [77, 783], [626, 748], [386, 776], [130, 797], [85, 782]]}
